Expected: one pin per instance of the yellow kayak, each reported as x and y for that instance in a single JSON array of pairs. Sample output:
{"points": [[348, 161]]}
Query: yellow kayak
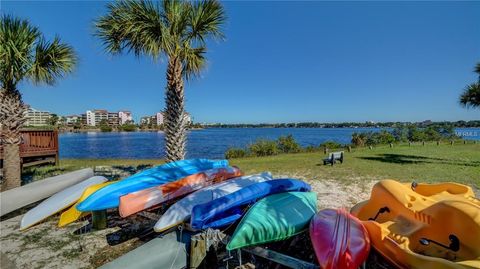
{"points": [[72, 214], [423, 225]]}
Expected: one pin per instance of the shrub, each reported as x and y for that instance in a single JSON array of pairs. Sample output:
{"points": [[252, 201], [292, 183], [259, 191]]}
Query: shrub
{"points": [[233, 153], [105, 128], [287, 144], [330, 145], [127, 127], [263, 147], [359, 139]]}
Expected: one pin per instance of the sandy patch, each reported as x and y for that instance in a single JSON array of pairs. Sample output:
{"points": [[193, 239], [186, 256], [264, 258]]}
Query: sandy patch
{"points": [[47, 246]]}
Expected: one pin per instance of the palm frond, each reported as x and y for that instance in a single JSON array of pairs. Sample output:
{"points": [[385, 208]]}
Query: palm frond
{"points": [[53, 60], [193, 60], [477, 69], [206, 20], [17, 39], [471, 96], [135, 26]]}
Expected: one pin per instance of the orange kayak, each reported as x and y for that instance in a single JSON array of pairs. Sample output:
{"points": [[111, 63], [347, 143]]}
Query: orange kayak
{"points": [[140, 200]]}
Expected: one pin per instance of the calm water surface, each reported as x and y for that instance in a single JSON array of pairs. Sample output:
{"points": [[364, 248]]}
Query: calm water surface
{"points": [[207, 143]]}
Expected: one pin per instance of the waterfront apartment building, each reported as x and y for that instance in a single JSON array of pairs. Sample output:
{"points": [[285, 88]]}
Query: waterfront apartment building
{"points": [[97, 116], [36, 117], [125, 116], [72, 119]]}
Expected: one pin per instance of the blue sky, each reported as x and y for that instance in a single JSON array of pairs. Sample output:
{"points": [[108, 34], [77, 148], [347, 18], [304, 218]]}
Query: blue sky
{"points": [[282, 62]]}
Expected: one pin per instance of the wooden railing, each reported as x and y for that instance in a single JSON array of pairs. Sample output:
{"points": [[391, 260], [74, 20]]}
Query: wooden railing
{"points": [[37, 144]]}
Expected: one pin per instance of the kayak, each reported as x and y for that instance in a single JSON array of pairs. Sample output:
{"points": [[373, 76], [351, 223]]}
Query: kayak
{"points": [[19, 197], [423, 225], [274, 218], [227, 209], [339, 239], [57, 202], [181, 210], [72, 214], [137, 201], [109, 196], [167, 251]]}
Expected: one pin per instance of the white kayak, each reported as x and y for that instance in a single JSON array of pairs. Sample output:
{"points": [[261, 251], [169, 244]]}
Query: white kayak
{"points": [[58, 202], [181, 210], [17, 198]]}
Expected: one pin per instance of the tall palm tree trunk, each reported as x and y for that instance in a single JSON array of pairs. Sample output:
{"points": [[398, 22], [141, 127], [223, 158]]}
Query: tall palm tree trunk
{"points": [[175, 120], [12, 117]]}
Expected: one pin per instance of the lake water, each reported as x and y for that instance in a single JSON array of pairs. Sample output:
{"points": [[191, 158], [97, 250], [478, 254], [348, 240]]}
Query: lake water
{"points": [[207, 143]]}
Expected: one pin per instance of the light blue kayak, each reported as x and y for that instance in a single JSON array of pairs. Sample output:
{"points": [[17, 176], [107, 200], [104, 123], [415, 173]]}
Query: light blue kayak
{"points": [[109, 196]]}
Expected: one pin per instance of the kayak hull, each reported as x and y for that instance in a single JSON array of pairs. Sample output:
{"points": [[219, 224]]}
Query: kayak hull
{"points": [[275, 218], [58, 202], [405, 220], [181, 210], [227, 209], [144, 199], [109, 196], [72, 214], [17, 198], [339, 239]]}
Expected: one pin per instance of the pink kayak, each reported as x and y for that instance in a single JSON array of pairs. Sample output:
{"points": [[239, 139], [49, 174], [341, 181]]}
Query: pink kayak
{"points": [[140, 200], [339, 239]]}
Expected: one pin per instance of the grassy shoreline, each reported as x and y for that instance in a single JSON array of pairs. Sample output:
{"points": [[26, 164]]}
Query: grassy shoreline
{"points": [[431, 163]]}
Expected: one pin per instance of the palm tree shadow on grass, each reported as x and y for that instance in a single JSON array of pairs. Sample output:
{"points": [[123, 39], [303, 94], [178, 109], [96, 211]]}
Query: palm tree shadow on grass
{"points": [[415, 159]]}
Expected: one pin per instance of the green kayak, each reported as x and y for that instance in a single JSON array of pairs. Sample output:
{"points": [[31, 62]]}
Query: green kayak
{"points": [[275, 218]]}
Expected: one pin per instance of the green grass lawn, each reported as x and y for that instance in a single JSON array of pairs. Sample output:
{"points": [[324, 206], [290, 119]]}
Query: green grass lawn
{"points": [[430, 163]]}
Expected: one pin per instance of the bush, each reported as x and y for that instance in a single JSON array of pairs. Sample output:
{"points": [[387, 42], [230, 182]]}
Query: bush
{"points": [[330, 145], [127, 127], [105, 128], [359, 139], [263, 147], [233, 153], [287, 144]]}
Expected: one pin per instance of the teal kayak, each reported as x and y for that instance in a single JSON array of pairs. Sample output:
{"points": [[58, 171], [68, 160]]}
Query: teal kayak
{"points": [[275, 218], [109, 196]]}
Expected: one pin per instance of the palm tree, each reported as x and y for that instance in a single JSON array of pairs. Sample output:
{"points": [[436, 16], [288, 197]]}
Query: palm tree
{"points": [[471, 95], [24, 55], [175, 29]]}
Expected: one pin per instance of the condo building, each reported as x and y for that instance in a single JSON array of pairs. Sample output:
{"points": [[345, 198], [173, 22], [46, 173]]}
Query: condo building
{"points": [[36, 117], [97, 116]]}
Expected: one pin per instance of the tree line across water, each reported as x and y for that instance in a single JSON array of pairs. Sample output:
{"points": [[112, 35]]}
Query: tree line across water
{"points": [[288, 144], [455, 124]]}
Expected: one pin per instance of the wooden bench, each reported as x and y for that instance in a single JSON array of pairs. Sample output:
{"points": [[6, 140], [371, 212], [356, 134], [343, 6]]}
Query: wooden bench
{"points": [[333, 157]]}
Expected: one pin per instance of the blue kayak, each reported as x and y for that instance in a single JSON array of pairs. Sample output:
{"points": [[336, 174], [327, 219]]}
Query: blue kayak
{"points": [[109, 196], [228, 209]]}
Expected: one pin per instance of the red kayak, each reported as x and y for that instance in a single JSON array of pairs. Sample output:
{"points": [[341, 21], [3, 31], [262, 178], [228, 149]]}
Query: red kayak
{"points": [[339, 239]]}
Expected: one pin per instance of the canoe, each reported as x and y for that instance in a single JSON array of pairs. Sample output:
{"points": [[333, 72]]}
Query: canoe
{"points": [[339, 239], [167, 251], [423, 225], [72, 214], [274, 218], [227, 209], [109, 196], [17, 198], [58, 202], [181, 210], [137, 201]]}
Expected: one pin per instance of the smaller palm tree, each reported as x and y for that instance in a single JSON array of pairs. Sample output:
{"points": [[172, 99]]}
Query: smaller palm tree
{"points": [[174, 29], [471, 95], [24, 55]]}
